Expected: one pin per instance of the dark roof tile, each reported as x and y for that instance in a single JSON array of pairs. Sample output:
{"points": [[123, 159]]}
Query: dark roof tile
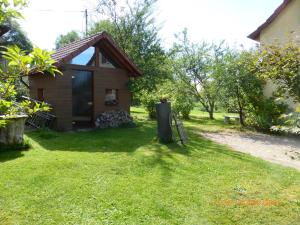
{"points": [[67, 52]]}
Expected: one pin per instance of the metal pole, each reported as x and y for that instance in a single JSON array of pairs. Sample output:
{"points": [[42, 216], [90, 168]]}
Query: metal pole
{"points": [[86, 21]]}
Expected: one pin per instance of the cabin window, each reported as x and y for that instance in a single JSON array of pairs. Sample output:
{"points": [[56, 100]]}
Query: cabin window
{"points": [[86, 58], [40, 94], [105, 61], [111, 97]]}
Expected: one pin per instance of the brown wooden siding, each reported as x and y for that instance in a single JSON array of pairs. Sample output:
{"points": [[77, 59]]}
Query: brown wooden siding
{"points": [[58, 91]]}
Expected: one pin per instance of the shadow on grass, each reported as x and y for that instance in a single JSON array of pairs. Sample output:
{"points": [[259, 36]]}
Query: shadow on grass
{"points": [[13, 151], [106, 140], [7, 155], [129, 140]]}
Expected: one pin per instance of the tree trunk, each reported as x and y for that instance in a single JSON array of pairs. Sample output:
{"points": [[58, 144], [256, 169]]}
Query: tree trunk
{"points": [[241, 114], [211, 114]]}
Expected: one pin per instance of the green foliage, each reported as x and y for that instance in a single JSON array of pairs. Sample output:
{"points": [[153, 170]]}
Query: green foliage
{"points": [[10, 9], [240, 87], [149, 101], [196, 65], [20, 65], [265, 113], [15, 36], [64, 39], [134, 29], [281, 65], [290, 123], [181, 98]]}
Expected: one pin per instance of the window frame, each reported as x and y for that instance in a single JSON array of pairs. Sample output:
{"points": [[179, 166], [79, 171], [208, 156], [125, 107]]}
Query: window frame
{"points": [[114, 102]]}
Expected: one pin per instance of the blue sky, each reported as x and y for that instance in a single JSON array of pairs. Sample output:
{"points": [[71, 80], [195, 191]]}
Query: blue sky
{"points": [[210, 20]]}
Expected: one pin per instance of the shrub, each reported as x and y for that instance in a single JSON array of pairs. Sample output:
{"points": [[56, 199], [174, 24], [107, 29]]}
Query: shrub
{"points": [[266, 113], [181, 98], [149, 100], [182, 103], [291, 123]]}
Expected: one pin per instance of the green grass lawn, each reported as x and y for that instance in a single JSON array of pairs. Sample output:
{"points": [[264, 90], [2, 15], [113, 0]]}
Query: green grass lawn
{"points": [[200, 120], [123, 176]]}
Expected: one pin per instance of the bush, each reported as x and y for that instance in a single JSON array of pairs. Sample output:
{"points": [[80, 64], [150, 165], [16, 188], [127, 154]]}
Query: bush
{"points": [[291, 123], [265, 114], [182, 103], [181, 98], [149, 101]]}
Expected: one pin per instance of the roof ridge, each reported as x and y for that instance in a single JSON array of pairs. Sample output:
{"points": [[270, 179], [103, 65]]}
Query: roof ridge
{"points": [[64, 54], [80, 40]]}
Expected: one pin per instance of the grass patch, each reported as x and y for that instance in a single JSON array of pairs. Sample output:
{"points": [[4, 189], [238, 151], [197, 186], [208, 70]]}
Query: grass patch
{"points": [[201, 122], [124, 176]]}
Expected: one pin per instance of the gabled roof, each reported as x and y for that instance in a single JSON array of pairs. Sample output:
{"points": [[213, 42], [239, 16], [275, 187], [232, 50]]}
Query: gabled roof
{"points": [[66, 53], [255, 35]]}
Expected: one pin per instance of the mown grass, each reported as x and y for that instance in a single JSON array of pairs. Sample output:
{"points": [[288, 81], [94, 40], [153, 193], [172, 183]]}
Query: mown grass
{"points": [[124, 176], [201, 122]]}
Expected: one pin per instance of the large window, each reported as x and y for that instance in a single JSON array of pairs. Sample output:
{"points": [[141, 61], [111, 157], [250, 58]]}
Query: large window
{"points": [[87, 57], [111, 97]]}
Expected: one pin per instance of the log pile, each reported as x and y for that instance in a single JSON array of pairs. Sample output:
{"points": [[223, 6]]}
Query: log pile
{"points": [[113, 119]]}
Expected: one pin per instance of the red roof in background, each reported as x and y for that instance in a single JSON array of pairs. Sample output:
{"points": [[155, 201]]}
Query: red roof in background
{"points": [[69, 51], [255, 35]]}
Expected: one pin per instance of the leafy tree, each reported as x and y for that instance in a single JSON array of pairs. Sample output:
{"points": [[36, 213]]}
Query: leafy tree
{"points": [[10, 9], [181, 97], [196, 65], [134, 29], [281, 65], [15, 36], [241, 88], [175, 91], [20, 65], [64, 39], [239, 85]]}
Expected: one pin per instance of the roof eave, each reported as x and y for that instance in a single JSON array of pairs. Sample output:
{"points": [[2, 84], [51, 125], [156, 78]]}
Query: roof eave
{"points": [[256, 34], [133, 69]]}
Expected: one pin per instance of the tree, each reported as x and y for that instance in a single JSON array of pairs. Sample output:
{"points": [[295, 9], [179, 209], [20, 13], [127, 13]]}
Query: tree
{"points": [[64, 39], [196, 65], [20, 65], [281, 65], [239, 84], [10, 10], [15, 36], [133, 28], [175, 91]]}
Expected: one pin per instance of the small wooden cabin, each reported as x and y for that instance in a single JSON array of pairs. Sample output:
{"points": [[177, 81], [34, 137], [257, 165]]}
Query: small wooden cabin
{"points": [[95, 79]]}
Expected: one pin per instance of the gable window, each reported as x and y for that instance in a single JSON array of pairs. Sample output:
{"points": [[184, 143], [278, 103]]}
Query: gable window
{"points": [[105, 61], [40, 94], [111, 97], [85, 58]]}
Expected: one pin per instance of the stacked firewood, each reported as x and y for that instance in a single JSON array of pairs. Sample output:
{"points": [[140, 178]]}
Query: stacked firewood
{"points": [[113, 119]]}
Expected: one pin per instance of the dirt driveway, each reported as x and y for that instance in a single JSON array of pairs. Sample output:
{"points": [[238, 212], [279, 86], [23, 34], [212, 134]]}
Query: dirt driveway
{"points": [[281, 150]]}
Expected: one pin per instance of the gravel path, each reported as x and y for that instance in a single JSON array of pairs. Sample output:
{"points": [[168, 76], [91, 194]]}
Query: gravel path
{"points": [[281, 150]]}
